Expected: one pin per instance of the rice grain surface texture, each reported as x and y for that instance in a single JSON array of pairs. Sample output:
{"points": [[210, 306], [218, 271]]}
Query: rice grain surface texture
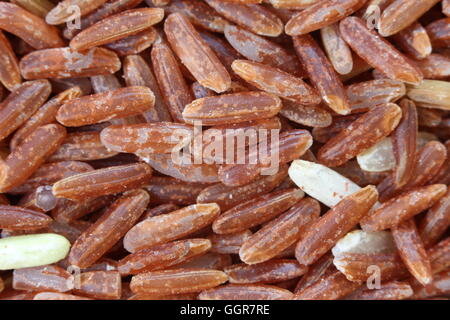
{"points": [[224, 149]]}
